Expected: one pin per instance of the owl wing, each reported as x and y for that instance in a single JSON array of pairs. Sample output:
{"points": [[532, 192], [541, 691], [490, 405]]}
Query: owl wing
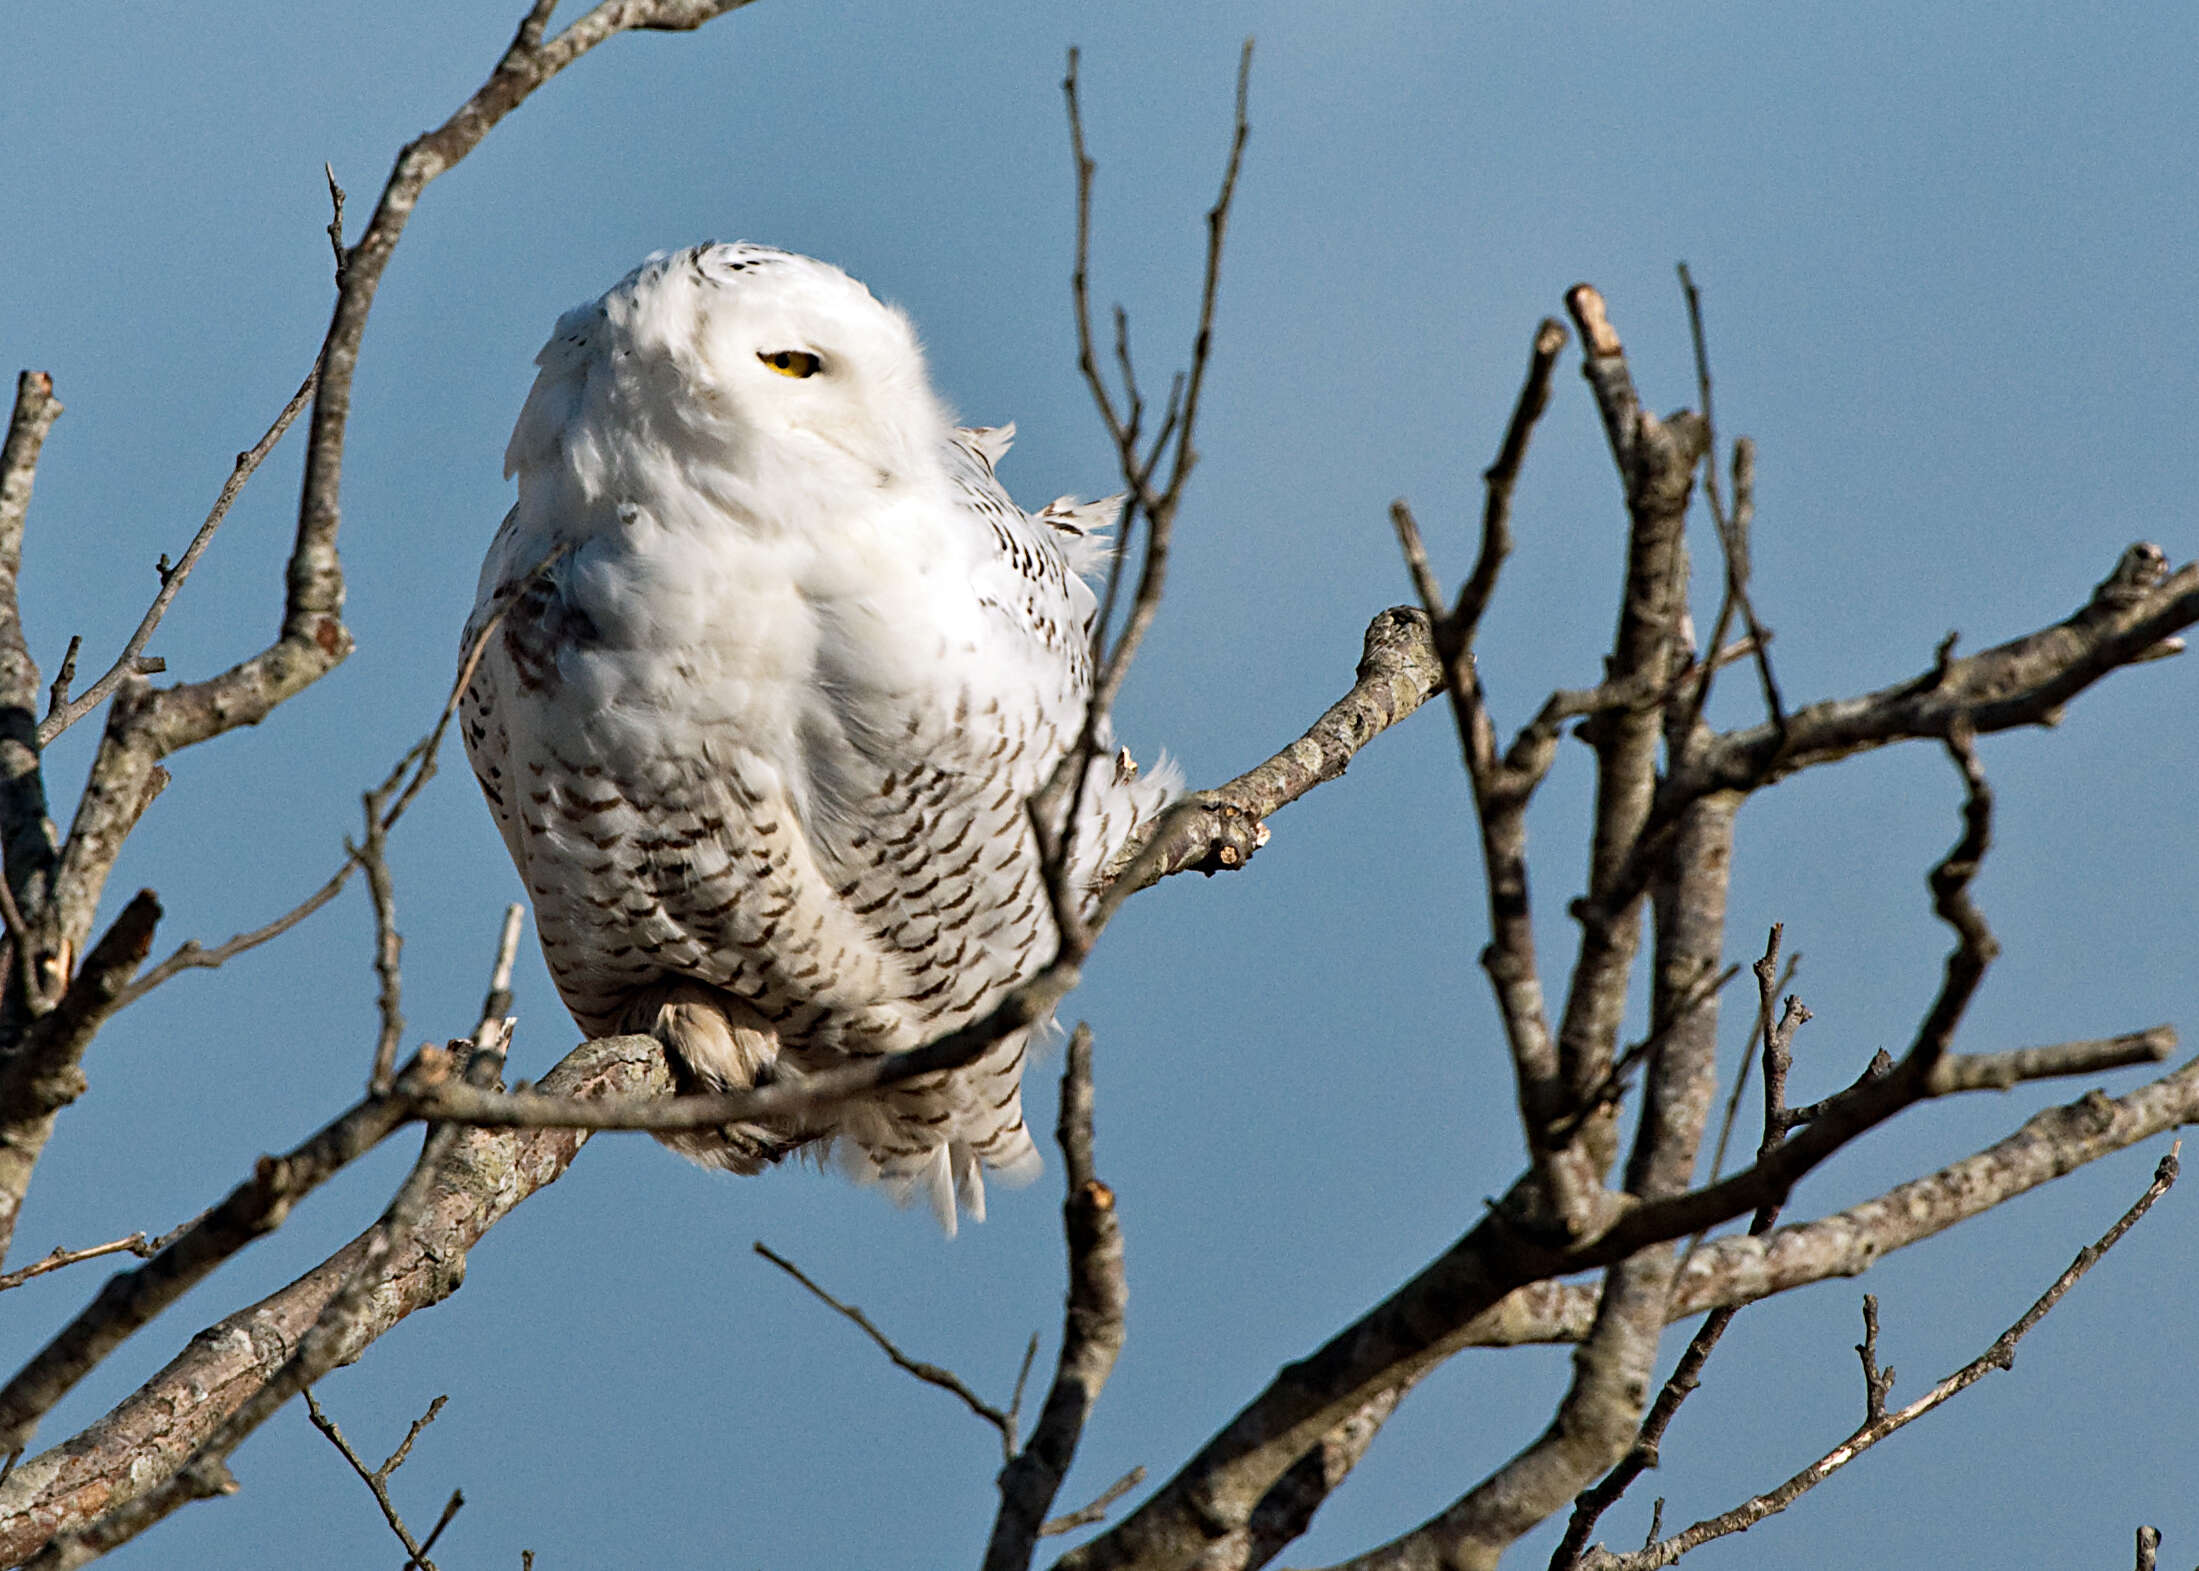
{"points": [[939, 846]]}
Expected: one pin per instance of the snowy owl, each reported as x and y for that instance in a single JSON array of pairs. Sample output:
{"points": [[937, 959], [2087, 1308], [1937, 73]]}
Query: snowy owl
{"points": [[761, 736]]}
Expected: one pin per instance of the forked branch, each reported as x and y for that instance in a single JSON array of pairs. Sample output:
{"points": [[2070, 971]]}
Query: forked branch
{"points": [[1878, 1422]]}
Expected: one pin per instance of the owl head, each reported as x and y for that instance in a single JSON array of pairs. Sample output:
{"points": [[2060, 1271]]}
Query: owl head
{"points": [[776, 372]]}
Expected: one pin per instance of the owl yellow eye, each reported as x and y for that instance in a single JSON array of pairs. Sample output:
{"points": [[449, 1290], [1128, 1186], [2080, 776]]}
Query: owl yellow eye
{"points": [[791, 362]]}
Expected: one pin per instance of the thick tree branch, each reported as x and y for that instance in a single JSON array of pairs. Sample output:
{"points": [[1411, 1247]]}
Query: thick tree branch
{"points": [[156, 1429], [338, 1333], [26, 833], [1656, 461], [1091, 1331], [1466, 1295], [130, 1299], [1209, 831]]}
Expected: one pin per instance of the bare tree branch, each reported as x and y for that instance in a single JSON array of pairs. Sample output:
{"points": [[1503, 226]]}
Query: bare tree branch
{"points": [[1091, 1330], [1733, 535], [1175, 440], [2132, 617], [1086, 1515], [1502, 787], [1656, 461], [26, 833], [1687, 1374], [1502, 475], [931, 1374], [336, 1335], [137, 1244], [497, 1003], [62, 711], [1878, 1422], [370, 854], [1171, 444], [1215, 830], [377, 1479], [131, 1299], [156, 1428]]}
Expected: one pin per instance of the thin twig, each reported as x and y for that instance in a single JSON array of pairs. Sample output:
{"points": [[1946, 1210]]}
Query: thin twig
{"points": [[1059, 800], [336, 224], [57, 696], [1733, 536], [930, 1374], [497, 1003], [450, 1510], [133, 661], [377, 1479], [404, 1448], [1417, 566], [137, 1244], [1177, 437], [1086, 1515], [1503, 784], [192, 955], [1023, 1376], [1502, 476], [388, 944], [1878, 1422], [1748, 1057]]}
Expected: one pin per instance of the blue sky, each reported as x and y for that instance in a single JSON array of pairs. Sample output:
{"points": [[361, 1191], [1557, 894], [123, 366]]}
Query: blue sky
{"points": [[1946, 270]]}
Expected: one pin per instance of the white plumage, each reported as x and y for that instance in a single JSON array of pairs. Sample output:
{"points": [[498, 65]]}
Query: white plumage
{"points": [[761, 738]]}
